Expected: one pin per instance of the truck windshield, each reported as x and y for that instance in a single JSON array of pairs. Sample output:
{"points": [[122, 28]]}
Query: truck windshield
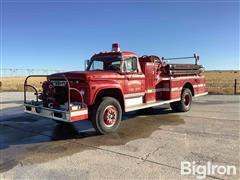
{"points": [[105, 64]]}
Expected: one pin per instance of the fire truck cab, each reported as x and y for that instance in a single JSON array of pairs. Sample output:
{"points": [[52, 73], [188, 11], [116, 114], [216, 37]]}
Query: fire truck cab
{"points": [[113, 83]]}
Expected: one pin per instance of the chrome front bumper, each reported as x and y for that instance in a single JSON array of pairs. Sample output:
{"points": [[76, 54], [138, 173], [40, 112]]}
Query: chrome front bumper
{"points": [[57, 114]]}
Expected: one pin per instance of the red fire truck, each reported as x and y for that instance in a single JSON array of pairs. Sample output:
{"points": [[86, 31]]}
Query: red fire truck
{"points": [[113, 83]]}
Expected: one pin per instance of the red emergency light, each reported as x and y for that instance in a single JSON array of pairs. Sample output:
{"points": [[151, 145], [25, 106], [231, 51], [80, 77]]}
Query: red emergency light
{"points": [[115, 47]]}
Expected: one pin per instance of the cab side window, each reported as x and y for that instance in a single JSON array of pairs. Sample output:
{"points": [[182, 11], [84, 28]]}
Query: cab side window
{"points": [[130, 65]]}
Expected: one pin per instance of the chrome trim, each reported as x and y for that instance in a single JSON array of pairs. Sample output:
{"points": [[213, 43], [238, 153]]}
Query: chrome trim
{"points": [[45, 108], [49, 113]]}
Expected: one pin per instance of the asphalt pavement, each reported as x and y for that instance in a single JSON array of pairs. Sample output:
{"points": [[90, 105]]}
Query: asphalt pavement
{"points": [[148, 145]]}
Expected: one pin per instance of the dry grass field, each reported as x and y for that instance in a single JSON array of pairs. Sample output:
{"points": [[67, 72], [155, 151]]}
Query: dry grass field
{"points": [[222, 82], [217, 82], [16, 83]]}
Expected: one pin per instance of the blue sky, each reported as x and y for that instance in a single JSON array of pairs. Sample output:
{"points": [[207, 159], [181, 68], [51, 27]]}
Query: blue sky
{"points": [[62, 34]]}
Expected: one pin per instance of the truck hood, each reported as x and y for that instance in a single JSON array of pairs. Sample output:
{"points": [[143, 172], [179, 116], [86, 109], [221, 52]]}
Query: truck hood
{"points": [[86, 75]]}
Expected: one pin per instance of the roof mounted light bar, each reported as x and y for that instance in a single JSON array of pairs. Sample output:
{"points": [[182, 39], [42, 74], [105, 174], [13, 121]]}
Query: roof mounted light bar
{"points": [[115, 47]]}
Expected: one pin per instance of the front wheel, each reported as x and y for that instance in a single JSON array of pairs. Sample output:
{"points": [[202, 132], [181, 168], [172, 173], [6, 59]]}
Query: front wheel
{"points": [[106, 115], [185, 103]]}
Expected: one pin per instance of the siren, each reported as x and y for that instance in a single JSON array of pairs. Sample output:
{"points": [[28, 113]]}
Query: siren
{"points": [[115, 47]]}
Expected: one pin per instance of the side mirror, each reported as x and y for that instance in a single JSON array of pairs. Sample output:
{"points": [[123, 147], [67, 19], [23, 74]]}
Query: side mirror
{"points": [[86, 64]]}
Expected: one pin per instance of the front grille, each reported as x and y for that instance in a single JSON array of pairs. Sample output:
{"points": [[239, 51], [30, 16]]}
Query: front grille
{"points": [[61, 94]]}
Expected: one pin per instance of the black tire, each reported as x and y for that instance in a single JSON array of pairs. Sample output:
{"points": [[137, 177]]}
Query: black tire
{"points": [[98, 116], [185, 103]]}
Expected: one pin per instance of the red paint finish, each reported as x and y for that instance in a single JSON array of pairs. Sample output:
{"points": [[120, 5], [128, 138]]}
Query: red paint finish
{"points": [[78, 118], [110, 116], [79, 114], [186, 99], [153, 79], [150, 79], [148, 68]]}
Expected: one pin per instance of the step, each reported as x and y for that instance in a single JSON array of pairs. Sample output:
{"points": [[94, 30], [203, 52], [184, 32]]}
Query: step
{"points": [[147, 105]]}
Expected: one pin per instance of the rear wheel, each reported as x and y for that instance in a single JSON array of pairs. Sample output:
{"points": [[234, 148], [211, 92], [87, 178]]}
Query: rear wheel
{"points": [[106, 115], [185, 103]]}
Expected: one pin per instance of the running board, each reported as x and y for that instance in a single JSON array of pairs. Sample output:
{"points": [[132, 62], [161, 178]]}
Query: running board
{"points": [[147, 105], [156, 103]]}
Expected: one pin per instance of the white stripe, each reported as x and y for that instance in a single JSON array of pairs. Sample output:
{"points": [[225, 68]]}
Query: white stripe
{"points": [[134, 95], [133, 101], [152, 90], [165, 78], [160, 90], [176, 89], [199, 85], [187, 77], [137, 76], [78, 113], [170, 89]]}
